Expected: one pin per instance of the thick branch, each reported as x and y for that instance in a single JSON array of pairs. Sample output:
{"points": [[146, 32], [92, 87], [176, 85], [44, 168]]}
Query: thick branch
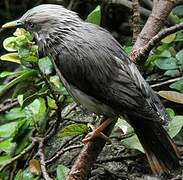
{"points": [[88, 155], [160, 12], [143, 52]]}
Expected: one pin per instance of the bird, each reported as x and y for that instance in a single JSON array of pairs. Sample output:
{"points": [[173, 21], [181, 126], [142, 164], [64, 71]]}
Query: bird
{"points": [[100, 76]]}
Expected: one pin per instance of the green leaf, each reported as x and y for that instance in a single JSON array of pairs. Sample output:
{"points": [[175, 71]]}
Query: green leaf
{"points": [[11, 57], [27, 74], [132, 143], [174, 126], [73, 130], [170, 112], [179, 57], [8, 129], [6, 73], [179, 37], [4, 159], [23, 52], [165, 53], [169, 38], [177, 85], [166, 63], [178, 10], [95, 16], [172, 72], [7, 146], [15, 113], [10, 44], [19, 175], [62, 172], [172, 96], [45, 65]]}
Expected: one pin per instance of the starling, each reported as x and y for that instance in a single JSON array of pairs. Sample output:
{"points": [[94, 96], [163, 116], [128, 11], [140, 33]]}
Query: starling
{"points": [[99, 75]]}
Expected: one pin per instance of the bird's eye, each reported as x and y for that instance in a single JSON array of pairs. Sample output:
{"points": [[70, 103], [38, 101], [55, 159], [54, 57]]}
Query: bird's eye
{"points": [[30, 25]]}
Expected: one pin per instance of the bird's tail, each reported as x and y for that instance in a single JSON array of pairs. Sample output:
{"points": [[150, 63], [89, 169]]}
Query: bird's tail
{"points": [[161, 152]]}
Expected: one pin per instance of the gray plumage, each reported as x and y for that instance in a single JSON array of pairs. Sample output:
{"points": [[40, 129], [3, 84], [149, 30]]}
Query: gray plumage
{"points": [[99, 75], [92, 61]]}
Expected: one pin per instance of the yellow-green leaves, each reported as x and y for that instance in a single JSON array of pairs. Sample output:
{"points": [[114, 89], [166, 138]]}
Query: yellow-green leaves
{"points": [[172, 96], [169, 38]]}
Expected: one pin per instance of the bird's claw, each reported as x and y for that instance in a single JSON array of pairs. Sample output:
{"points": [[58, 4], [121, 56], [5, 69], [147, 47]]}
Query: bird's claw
{"points": [[94, 134]]}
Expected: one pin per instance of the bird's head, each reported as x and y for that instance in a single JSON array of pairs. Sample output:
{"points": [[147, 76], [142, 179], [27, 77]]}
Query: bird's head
{"points": [[46, 20]]}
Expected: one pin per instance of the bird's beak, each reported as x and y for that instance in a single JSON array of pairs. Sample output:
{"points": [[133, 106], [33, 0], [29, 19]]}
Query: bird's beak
{"points": [[12, 24]]}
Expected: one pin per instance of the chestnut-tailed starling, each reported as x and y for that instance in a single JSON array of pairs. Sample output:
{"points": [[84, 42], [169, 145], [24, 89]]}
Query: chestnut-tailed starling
{"points": [[99, 75]]}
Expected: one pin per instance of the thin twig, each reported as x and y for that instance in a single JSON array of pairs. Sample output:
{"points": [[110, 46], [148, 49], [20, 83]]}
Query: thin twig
{"points": [[119, 158], [136, 19], [166, 82], [62, 151], [8, 106], [42, 160]]}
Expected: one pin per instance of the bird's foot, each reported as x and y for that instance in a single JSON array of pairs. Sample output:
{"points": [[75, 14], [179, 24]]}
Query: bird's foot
{"points": [[97, 132]]}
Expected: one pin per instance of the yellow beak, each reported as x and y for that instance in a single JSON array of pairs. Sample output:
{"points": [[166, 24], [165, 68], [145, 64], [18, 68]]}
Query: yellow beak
{"points": [[12, 24]]}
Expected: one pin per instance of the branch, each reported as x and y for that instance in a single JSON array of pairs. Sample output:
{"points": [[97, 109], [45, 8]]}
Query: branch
{"points": [[42, 160], [128, 4], [166, 82], [136, 19], [88, 155], [61, 152], [142, 53], [8, 106], [160, 12]]}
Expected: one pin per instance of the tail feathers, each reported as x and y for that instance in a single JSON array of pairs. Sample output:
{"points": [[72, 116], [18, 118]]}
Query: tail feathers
{"points": [[161, 152]]}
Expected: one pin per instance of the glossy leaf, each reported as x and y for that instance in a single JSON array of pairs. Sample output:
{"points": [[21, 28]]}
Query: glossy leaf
{"points": [[169, 38], [45, 65], [10, 44], [177, 85], [73, 130], [62, 172], [95, 16], [11, 57], [174, 126], [172, 96], [166, 63], [170, 112], [132, 143], [179, 57], [6, 130], [172, 72], [6, 73]]}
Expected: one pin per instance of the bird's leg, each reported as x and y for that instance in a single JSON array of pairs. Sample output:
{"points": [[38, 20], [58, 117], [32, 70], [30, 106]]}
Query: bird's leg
{"points": [[97, 132]]}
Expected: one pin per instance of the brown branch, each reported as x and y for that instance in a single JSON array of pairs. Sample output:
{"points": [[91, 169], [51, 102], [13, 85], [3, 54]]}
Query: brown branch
{"points": [[61, 152], [8, 106], [136, 19], [143, 52], [42, 160], [160, 12], [88, 155]]}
